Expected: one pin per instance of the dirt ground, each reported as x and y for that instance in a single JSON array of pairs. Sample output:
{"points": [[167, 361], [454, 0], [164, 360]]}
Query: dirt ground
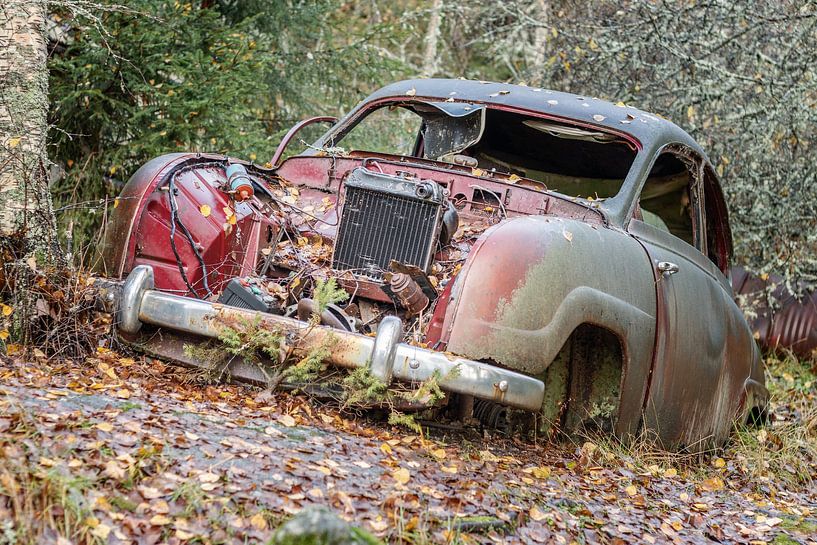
{"points": [[122, 450]]}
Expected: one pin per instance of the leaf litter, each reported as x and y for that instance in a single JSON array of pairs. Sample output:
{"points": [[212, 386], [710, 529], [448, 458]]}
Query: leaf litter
{"points": [[181, 463]]}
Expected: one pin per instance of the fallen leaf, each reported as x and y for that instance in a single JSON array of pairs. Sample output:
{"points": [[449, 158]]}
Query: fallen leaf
{"points": [[411, 92], [719, 463], [258, 522], [101, 531], [488, 456], [160, 520], [536, 515], [123, 393], [401, 475], [438, 453], [208, 477], [161, 507], [379, 524], [182, 535], [599, 117], [713, 484], [205, 210], [542, 472], [287, 420], [631, 490], [104, 426], [114, 470], [47, 462], [149, 493]]}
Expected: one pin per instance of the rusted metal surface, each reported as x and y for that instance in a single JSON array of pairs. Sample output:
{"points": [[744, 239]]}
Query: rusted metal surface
{"points": [[528, 286], [282, 146], [535, 281], [227, 238], [408, 292], [723, 350], [780, 319]]}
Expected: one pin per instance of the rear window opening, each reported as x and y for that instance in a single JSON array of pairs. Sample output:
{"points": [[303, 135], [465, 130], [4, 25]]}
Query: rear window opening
{"points": [[575, 161]]}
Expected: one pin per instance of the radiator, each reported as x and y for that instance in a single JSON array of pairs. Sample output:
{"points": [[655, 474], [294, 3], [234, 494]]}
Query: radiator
{"points": [[387, 218]]}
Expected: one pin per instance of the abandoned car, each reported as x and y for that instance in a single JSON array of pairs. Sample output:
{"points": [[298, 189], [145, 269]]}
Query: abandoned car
{"points": [[552, 253]]}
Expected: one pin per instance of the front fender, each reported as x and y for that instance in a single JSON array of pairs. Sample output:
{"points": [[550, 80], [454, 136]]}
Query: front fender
{"points": [[530, 281]]}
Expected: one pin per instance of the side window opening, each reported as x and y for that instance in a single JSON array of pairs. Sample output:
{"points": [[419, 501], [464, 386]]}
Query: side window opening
{"points": [[390, 129], [668, 197]]}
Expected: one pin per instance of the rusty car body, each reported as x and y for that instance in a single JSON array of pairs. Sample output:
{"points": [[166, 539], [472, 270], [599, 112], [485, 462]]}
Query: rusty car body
{"points": [[554, 253]]}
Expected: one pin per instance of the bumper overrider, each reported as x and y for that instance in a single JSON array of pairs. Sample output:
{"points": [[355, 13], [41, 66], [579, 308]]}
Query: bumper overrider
{"points": [[384, 354]]}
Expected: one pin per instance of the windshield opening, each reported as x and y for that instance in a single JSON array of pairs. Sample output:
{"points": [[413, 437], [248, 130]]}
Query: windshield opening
{"points": [[576, 161]]}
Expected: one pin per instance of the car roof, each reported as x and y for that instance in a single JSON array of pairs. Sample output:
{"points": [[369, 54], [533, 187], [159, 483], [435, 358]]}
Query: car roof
{"points": [[649, 129]]}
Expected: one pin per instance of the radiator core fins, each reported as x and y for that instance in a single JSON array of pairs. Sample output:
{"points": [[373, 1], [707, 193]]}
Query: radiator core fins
{"points": [[384, 219]]}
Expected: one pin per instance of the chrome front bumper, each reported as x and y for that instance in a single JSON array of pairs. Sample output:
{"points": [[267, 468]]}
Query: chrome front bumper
{"points": [[384, 354]]}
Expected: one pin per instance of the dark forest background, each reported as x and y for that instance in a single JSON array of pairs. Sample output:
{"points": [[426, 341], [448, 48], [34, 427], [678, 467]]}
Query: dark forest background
{"points": [[131, 80]]}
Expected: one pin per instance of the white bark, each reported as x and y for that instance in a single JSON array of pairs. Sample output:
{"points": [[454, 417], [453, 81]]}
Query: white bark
{"points": [[538, 52], [432, 39], [25, 201]]}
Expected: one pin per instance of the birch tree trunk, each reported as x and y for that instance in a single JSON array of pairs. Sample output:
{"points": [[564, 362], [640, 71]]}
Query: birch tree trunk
{"points": [[432, 39], [538, 52], [26, 213]]}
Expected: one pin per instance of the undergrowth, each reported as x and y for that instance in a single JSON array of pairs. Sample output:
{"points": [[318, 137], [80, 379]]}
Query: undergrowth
{"points": [[783, 451], [327, 292], [786, 448]]}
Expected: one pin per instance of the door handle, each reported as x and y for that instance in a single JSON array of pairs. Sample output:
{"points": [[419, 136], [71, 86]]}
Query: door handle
{"points": [[666, 268]]}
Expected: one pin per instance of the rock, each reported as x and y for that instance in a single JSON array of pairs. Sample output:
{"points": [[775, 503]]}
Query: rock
{"points": [[319, 526]]}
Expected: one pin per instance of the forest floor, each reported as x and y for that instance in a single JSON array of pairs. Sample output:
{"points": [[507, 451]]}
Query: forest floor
{"points": [[120, 450]]}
